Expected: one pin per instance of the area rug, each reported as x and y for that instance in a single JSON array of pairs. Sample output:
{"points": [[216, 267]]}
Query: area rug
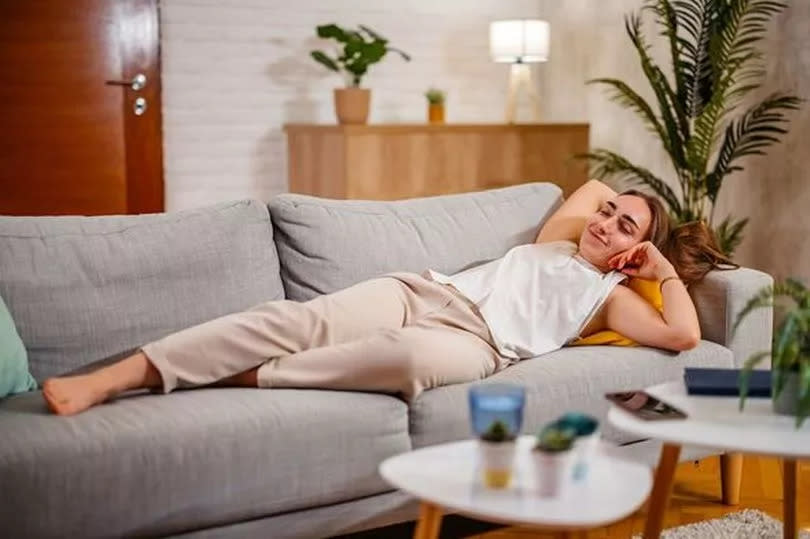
{"points": [[750, 523]]}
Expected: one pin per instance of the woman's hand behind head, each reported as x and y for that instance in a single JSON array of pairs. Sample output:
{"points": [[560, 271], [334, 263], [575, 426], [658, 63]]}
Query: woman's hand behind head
{"points": [[644, 261]]}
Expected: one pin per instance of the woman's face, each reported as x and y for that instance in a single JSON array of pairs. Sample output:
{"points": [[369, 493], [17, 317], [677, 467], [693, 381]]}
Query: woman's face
{"points": [[617, 226]]}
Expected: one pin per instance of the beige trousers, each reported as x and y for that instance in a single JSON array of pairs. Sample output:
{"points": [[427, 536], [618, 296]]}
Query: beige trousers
{"points": [[400, 334]]}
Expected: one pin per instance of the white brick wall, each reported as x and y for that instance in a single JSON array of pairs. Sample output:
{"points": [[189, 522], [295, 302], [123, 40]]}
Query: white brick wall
{"points": [[234, 71]]}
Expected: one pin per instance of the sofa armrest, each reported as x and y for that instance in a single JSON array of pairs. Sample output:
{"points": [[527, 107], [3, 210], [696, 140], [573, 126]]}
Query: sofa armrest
{"points": [[719, 297]]}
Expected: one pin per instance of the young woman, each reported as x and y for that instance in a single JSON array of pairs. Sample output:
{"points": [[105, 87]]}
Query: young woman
{"points": [[403, 333]]}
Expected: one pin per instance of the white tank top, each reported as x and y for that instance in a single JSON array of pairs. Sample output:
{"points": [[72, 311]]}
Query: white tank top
{"points": [[536, 298]]}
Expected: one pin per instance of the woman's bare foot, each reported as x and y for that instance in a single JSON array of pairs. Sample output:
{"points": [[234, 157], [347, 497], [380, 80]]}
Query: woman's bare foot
{"points": [[73, 394]]}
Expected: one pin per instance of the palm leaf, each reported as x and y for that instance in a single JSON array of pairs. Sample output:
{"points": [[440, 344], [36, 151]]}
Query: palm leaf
{"points": [[747, 24], [790, 288], [757, 128], [623, 94], [729, 234], [610, 164], [736, 26], [763, 298], [745, 374], [785, 337], [672, 115], [705, 132], [696, 18], [793, 289], [667, 19]]}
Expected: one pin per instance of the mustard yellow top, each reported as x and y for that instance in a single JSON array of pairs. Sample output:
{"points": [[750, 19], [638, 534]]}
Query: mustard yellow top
{"points": [[648, 290]]}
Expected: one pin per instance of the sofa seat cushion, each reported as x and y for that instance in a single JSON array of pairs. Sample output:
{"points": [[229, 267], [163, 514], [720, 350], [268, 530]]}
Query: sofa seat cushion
{"points": [[148, 465], [569, 379], [84, 289], [326, 245]]}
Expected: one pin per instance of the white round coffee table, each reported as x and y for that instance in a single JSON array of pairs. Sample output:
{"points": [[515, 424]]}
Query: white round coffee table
{"points": [[445, 477], [717, 422]]}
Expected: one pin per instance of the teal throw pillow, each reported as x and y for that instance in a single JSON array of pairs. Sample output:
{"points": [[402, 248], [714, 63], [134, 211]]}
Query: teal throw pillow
{"points": [[14, 375]]}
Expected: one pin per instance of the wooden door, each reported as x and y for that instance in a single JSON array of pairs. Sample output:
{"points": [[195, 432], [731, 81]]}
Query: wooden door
{"points": [[71, 141]]}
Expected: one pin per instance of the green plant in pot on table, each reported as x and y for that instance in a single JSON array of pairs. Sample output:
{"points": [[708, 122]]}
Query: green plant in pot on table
{"points": [[554, 459], [435, 98], [497, 453], [361, 48], [790, 353]]}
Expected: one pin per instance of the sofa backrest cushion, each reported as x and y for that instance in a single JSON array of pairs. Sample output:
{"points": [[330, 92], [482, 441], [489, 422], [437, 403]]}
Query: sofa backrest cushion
{"points": [[326, 245], [83, 289]]}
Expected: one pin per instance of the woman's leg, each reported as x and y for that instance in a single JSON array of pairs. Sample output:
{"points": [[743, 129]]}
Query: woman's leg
{"points": [[405, 361], [240, 342]]}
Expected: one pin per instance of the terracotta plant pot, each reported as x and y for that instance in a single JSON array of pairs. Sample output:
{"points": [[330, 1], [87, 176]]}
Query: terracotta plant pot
{"points": [[436, 113], [352, 105]]}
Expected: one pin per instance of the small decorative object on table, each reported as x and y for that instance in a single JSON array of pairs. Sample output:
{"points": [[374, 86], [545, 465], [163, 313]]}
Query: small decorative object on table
{"points": [[586, 430], [553, 460], [497, 453], [435, 99], [496, 413], [361, 48], [790, 355]]}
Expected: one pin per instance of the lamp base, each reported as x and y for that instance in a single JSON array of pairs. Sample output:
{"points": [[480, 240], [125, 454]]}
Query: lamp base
{"points": [[521, 76]]}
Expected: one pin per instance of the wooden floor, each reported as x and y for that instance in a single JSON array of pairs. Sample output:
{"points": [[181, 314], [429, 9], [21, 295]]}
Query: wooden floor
{"points": [[696, 496]]}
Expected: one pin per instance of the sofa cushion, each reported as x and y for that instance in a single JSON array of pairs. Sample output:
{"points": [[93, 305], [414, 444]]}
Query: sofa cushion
{"points": [[14, 375], [569, 379], [148, 465], [326, 245], [83, 289]]}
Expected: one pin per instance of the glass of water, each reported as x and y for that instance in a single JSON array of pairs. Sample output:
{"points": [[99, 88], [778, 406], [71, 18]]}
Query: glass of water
{"points": [[497, 402]]}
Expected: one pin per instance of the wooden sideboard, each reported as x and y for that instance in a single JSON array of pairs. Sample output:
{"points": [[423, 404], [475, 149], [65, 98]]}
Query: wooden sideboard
{"points": [[394, 161]]}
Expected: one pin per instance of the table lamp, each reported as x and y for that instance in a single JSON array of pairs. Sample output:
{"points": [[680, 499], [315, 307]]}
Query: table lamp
{"points": [[520, 42]]}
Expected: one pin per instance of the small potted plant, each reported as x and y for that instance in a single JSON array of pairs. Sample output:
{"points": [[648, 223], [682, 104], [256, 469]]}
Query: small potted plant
{"points": [[361, 49], [790, 352], [497, 454], [586, 443], [553, 460], [435, 99]]}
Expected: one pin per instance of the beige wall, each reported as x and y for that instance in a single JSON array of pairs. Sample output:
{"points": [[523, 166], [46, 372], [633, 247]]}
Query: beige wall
{"points": [[588, 40]]}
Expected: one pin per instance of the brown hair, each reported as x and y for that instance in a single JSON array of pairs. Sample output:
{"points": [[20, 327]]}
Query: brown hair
{"points": [[690, 247]]}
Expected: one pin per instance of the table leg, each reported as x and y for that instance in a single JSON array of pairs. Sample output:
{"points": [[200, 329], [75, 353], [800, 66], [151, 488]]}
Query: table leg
{"points": [[731, 476], [790, 468], [430, 520], [662, 487]]}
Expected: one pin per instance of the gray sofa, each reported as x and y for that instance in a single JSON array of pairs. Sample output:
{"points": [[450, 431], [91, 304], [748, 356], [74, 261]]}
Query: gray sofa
{"points": [[270, 463]]}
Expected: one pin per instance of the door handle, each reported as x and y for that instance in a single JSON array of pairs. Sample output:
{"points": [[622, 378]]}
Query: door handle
{"points": [[137, 83]]}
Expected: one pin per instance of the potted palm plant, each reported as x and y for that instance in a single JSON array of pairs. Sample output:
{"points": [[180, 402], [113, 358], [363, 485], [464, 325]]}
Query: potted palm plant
{"points": [[696, 114], [790, 353], [361, 49]]}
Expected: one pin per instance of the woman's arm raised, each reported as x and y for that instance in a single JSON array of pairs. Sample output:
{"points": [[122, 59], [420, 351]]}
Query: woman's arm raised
{"points": [[568, 221]]}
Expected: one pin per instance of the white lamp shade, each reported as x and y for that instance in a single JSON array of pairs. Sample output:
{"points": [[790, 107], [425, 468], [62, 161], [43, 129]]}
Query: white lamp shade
{"points": [[519, 40]]}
